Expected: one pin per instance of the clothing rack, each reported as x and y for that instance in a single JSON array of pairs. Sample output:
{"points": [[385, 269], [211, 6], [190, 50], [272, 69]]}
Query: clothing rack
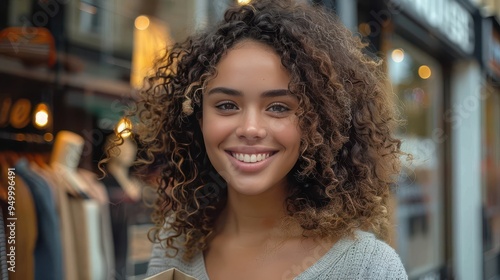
{"points": [[62, 235], [25, 142]]}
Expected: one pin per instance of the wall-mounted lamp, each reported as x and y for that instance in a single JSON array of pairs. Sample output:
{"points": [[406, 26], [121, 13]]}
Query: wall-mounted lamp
{"points": [[124, 128]]}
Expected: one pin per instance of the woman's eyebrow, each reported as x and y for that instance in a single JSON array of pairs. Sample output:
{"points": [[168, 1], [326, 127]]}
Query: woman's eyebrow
{"points": [[225, 90], [275, 93], [233, 92]]}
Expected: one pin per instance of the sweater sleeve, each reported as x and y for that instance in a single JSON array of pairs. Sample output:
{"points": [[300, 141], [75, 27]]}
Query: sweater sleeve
{"points": [[386, 263], [377, 260]]}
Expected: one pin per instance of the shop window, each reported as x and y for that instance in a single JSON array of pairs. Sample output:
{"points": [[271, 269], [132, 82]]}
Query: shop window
{"points": [[490, 169], [417, 83]]}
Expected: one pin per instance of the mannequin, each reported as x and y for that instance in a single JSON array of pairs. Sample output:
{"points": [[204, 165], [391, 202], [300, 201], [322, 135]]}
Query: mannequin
{"points": [[64, 160], [80, 211], [124, 191], [121, 160]]}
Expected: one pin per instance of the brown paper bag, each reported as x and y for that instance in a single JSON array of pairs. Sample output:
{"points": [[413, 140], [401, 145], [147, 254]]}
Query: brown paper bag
{"points": [[171, 274]]}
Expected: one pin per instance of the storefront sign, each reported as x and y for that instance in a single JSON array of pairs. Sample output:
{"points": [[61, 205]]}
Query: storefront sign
{"points": [[451, 19]]}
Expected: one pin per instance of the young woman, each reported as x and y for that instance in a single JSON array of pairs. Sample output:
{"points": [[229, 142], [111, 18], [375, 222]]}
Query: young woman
{"points": [[273, 134]]}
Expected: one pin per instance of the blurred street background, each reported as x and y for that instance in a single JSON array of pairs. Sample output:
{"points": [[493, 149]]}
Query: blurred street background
{"points": [[72, 66]]}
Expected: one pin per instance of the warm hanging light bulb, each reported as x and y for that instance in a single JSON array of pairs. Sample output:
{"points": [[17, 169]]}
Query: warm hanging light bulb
{"points": [[42, 116], [244, 2], [398, 55], [124, 128], [424, 72], [141, 22]]}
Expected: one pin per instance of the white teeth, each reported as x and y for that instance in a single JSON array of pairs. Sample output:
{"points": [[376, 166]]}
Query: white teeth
{"points": [[253, 158], [249, 158]]}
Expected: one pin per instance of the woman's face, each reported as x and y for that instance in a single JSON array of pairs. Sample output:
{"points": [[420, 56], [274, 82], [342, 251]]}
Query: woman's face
{"points": [[249, 123]]}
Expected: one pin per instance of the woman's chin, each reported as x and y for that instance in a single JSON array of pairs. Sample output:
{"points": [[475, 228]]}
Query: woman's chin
{"points": [[252, 188]]}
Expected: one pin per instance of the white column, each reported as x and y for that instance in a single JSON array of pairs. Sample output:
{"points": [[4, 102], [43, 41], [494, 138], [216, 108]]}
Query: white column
{"points": [[348, 12], [465, 121], [201, 13]]}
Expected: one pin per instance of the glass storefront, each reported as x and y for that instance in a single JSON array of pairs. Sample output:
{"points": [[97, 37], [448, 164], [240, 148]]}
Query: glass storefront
{"points": [[416, 79], [107, 27], [491, 177], [103, 50]]}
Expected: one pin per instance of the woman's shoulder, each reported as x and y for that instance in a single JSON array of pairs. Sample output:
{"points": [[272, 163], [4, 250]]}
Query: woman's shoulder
{"points": [[371, 258], [370, 246], [361, 257]]}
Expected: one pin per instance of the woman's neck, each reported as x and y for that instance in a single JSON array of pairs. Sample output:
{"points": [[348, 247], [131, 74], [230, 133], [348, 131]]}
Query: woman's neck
{"points": [[261, 215]]}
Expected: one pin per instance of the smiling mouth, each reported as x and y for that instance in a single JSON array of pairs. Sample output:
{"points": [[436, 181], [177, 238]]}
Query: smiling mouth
{"points": [[251, 158]]}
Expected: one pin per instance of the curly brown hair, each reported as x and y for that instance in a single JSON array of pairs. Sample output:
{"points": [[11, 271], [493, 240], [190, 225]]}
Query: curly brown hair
{"points": [[348, 156]]}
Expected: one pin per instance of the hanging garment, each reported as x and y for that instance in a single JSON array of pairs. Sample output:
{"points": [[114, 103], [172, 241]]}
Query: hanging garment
{"points": [[26, 229], [70, 264], [47, 177], [4, 273], [48, 250], [106, 232], [85, 222]]}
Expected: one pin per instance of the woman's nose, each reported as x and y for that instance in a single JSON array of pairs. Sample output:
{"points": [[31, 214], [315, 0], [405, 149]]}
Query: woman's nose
{"points": [[252, 126]]}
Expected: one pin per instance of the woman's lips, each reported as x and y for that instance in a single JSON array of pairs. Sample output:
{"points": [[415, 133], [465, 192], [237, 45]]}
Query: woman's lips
{"points": [[250, 167]]}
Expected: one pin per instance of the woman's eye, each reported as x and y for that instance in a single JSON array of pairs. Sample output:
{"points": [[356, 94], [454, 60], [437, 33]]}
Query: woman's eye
{"points": [[278, 108], [226, 106]]}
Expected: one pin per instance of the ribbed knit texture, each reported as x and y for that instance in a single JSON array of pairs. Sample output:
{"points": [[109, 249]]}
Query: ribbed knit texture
{"points": [[364, 257]]}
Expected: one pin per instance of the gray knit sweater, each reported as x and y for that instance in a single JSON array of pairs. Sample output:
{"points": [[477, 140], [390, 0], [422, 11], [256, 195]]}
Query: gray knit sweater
{"points": [[364, 257]]}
